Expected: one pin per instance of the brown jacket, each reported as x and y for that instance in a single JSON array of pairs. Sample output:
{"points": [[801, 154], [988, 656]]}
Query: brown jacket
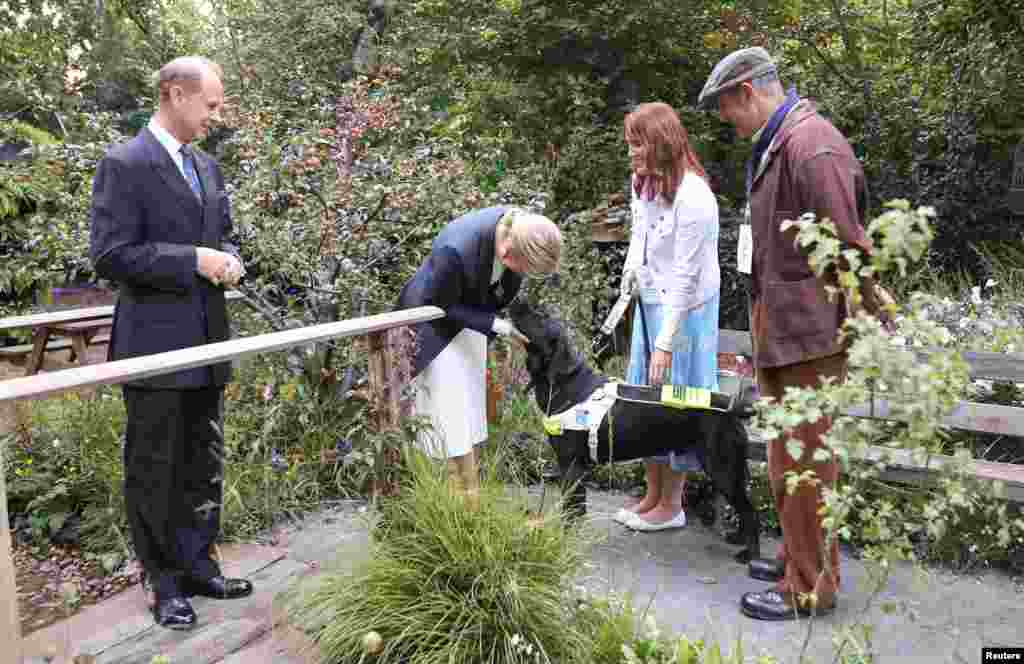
{"points": [[809, 167]]}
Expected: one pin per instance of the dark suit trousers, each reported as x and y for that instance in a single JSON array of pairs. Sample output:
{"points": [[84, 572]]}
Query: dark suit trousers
{"points": [[810, 565], [173, 478]]}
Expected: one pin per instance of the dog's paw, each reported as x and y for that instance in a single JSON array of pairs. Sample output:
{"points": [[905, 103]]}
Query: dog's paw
{"points": [[735, 537], [708, 517]]}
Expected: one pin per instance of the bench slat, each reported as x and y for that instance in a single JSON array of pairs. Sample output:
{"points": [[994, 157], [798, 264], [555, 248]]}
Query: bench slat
{"points": [[25, 349], [52, 345], [80, 325], [904, 468], [967, 415], [1001, 367], [71, 315]]}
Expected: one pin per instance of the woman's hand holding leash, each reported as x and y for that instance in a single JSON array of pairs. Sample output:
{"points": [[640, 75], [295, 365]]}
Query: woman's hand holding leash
{"points": [[661, 363], [505, 328]]}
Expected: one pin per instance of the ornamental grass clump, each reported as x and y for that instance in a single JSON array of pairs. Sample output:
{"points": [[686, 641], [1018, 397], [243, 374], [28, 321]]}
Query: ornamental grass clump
{"points": [[446, 583]]}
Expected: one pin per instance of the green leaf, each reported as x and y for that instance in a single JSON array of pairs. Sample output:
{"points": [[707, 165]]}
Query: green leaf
{"points": [[111, 561], [56, 521]]}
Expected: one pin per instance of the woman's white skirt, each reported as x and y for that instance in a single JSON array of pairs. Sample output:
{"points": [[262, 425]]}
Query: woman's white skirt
{"points": [[451, 391]]}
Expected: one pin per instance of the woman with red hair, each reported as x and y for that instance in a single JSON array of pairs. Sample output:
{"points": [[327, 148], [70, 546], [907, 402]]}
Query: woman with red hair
{"points": [[672, 265]]}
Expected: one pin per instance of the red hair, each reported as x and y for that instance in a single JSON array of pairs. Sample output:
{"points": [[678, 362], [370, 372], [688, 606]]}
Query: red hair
{"points": [[669, 154]]}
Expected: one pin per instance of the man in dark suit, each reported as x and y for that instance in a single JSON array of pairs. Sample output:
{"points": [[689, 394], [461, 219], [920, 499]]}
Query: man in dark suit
{"points": [[160, 216]]}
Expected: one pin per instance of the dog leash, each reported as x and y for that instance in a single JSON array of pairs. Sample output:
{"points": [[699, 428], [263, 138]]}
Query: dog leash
{"points": [[647, 343], [643, 318]]}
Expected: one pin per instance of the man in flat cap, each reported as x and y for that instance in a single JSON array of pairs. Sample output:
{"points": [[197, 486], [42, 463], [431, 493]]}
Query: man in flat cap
{"points": [[800, 163]]}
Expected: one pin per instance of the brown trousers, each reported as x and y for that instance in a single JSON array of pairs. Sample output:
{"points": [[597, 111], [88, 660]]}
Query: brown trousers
{"points": [[803, 539]]}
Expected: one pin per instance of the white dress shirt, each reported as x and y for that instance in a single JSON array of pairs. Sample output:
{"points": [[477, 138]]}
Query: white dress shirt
{"points": [[170, 143], [680, 268]]}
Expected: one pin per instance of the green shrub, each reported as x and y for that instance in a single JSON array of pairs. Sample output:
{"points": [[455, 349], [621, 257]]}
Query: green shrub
{"points": [[288, 446], [444, 584], [70, 463], [609, 623], [517, 449], [15, 131], [581, 181], [620, 633]]}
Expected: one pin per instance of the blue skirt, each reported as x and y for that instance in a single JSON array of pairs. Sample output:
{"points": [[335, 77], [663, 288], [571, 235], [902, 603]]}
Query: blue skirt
{"points": [[694, 357]]}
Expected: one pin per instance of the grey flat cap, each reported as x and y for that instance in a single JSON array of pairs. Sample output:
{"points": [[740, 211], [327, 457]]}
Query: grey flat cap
{"points": [[735, 68]]}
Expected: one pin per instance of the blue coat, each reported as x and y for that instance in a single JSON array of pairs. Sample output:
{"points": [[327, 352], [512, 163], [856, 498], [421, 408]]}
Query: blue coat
{"points": [[456, 277], [146, 225]]}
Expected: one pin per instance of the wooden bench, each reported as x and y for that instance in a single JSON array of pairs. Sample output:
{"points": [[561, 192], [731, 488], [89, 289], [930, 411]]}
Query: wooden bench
{"points": [[968, 416], [81, 334], [17, 354], [75, 336]]}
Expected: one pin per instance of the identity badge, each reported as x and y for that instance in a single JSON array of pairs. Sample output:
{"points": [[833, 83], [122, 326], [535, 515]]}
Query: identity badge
{"points": [[745, 250]]}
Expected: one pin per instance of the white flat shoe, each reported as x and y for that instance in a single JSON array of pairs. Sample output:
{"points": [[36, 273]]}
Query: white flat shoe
{"points": [[624, 516], [638, 523]]}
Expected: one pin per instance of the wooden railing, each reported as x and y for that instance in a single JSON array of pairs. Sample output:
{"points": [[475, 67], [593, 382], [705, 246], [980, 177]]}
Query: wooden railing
{"points": [[121, 371]]}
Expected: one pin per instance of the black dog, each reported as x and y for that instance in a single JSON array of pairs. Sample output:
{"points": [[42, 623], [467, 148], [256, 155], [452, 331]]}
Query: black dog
{"points": [[562, 380]]}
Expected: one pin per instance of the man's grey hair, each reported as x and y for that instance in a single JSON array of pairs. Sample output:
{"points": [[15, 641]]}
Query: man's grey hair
{"points": [[769, 82], [189, 68]]}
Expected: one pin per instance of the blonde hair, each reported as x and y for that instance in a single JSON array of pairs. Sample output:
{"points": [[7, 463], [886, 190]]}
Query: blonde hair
{"points": [[535, 238], [187, 70]]}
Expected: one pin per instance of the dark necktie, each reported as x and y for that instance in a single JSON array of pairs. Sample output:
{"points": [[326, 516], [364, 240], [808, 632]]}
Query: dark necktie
{"points": [[189, 164]]}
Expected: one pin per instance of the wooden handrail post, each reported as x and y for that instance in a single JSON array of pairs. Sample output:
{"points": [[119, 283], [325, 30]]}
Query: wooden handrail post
{"points": [[9, 624], [384, 397], [391, 361]]}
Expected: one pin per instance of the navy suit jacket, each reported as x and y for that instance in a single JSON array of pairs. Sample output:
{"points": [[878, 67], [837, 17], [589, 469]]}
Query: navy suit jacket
{"points": [[146, 225], [456, 277]]}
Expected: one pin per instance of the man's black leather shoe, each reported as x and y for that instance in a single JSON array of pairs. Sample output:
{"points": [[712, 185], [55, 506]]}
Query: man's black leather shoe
{"points": [[770, 605], [174, 613], [219, 587], [767, 569]]}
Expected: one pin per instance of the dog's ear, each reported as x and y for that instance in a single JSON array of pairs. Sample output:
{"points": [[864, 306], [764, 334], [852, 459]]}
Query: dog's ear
{"points": [[517, 309], [534, 360], [523, 317], [563, 359]]}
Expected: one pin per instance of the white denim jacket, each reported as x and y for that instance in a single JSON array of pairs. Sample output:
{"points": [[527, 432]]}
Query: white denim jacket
{"points": [[680, 268]]}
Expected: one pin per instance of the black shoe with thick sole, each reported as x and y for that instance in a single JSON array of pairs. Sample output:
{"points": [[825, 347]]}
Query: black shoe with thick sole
{"points": [[771, 605], [219, 587], [767, 569], [174, 613]]}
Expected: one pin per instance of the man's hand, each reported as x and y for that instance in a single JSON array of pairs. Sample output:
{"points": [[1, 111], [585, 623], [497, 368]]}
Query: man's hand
{"points": [[505, 328], [218, 267], [661, 365], [879, 303], [233, 272]]}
